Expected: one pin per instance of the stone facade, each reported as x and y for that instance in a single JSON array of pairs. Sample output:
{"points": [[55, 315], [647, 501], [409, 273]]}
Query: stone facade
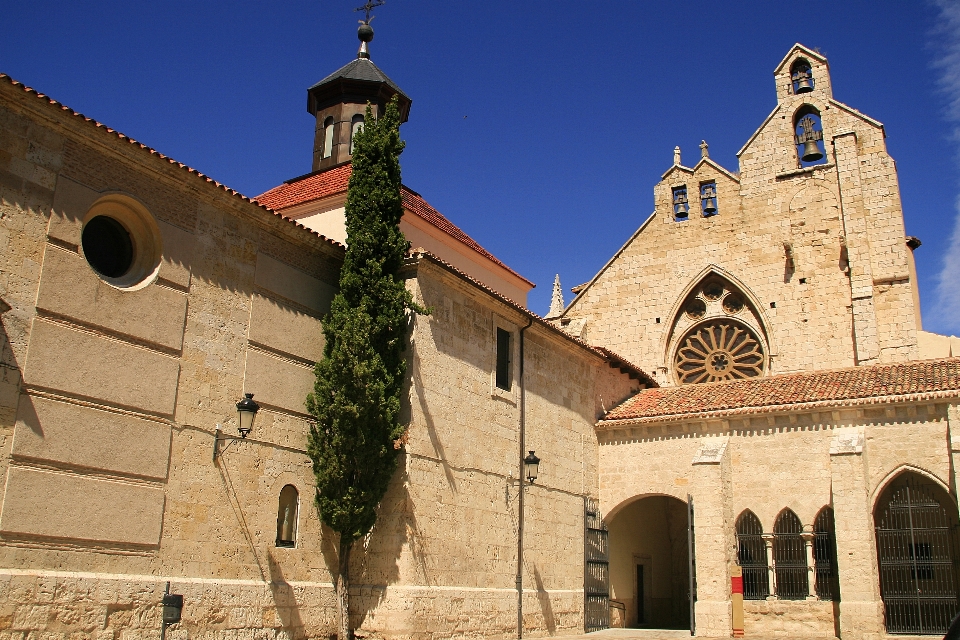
{"points": [[799, 242], [114, 388]]}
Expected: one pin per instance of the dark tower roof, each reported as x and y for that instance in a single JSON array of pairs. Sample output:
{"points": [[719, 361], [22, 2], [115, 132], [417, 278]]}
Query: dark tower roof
{"points": [[359, 81]]}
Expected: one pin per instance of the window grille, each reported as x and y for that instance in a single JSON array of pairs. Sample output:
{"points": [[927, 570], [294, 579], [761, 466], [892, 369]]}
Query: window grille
{"points": [[917, 552], [790, 557], [752, 557], [596, 574], [825, 556]]}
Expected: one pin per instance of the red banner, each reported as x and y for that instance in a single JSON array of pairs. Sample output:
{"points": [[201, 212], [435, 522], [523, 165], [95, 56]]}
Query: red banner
{"points": [[736, 585]]}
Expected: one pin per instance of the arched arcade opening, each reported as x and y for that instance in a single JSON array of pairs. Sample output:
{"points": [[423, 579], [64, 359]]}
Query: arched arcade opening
{"points": [[649, 562], [917, 552]]}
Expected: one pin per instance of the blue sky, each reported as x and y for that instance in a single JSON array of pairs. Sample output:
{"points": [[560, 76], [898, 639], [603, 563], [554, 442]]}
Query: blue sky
{"points": [[538, 127]]}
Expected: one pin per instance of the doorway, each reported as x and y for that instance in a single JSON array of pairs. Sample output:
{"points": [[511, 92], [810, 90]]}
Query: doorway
{"points": [[649, 562], [916, 526]]}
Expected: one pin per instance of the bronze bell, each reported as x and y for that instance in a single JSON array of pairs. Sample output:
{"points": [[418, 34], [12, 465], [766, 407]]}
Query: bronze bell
{"points": [[681, 209], [811, 152], [804, 79], [710, 206]]}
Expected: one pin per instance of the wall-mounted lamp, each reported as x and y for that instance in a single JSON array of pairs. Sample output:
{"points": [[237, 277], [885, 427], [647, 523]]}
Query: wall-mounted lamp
{"points": [[246, 412], [531, 466], [172, 610]]}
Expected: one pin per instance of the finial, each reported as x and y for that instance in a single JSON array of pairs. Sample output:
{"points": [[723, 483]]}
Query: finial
{"points": [[704, 149], [365, 32], [556, 302], [676, 155]]}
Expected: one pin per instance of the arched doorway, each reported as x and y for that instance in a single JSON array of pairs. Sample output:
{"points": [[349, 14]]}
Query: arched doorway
{"points": [[916, 525], [649, 562]]}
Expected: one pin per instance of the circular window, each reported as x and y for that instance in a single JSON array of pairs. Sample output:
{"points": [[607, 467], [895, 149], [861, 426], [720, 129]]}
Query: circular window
{"points": [[719, 350], [107, 247], [712, 290], [695, 308], [120, 241], [732, 303]]}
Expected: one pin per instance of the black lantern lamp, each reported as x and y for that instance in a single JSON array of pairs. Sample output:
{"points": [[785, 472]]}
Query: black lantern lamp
{"points": [[246, 412], [531, 465], [171, 610]]}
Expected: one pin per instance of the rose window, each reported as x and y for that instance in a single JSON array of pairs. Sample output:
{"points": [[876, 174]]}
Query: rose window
{"points": [[720, 349]]}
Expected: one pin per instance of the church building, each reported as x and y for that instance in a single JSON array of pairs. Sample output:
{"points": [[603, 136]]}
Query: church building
{"points": [[741, 428]]}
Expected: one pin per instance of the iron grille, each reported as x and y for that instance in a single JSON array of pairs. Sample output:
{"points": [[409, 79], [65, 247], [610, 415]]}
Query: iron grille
{"points": [[826, 581], [596, 575], [752, 556], [916, 548], [790, 557]]}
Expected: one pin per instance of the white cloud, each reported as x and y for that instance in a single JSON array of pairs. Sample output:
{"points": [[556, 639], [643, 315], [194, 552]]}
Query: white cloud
{"points": [[947, 307]]}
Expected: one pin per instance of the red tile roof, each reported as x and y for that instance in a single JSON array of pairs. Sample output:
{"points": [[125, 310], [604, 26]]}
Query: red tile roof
{"points": [[612, 359], [858, 385], [62, 107], [333, 181]]}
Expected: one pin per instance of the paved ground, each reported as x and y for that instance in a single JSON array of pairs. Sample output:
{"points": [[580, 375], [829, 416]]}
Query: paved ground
{"points": [[668, 634]]}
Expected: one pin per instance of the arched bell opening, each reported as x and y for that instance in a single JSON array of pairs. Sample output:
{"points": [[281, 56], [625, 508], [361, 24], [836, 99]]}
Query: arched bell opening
{"points": [[801, 76], [328, 127], [808, 136], [650, 562], [917, 550]]}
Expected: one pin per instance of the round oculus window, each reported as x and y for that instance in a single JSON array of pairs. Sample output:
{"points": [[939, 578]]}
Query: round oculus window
{"points": [[719, 350], [732, 303], [695, 308], [107, 246], [712, 290]]}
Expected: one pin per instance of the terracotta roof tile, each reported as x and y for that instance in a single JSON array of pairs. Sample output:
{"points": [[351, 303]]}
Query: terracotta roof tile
{"points": [[819, 388], [153, 152], [611, 358], [333, 181]]}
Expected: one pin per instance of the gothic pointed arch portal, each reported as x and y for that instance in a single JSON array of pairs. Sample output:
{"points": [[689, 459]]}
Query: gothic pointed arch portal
{"points": [[917, 552], [717, 334]]}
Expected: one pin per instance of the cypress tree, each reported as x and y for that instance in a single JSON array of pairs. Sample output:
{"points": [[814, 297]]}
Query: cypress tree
{"points": [[356, 397]]}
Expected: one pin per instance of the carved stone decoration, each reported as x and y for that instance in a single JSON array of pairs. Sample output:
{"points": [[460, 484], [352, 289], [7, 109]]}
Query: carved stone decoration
{"points": [[717, 350]]}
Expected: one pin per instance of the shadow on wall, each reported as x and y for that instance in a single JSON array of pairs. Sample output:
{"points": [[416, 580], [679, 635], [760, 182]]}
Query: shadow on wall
{"points": [[286, 609], [543, 597]]}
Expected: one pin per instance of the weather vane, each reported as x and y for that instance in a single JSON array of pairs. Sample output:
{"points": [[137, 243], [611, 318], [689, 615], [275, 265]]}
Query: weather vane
{"points": [[368, 7]]}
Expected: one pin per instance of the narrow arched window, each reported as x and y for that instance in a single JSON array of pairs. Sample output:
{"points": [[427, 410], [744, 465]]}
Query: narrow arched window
{"points": [[287, 516], [790, 557], [808, 136], [356, 125], [752, 557], [801, 76], [328, 137], [825, 556]]}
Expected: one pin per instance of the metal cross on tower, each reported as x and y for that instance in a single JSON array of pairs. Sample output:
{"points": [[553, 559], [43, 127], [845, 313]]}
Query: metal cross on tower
{"points": [[368, 7]]}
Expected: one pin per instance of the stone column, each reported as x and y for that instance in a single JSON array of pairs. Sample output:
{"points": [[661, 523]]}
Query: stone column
{"points": [[771, 566], [807, 536], [713, 537], [861, 609]]}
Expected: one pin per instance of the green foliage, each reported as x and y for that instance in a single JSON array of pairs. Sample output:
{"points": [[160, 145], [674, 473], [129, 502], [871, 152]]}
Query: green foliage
{"points": [[356, 396]]}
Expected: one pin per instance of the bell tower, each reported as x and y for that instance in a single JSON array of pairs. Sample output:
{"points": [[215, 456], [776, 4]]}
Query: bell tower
{"points": [[339, 101]]}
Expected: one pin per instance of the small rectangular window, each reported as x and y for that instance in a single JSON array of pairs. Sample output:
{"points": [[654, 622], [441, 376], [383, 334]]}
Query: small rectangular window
{"points": [[503, 359]]}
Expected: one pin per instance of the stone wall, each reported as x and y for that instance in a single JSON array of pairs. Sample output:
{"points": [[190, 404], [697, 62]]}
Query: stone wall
{"points": [[801, 460], [819, 252]]}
